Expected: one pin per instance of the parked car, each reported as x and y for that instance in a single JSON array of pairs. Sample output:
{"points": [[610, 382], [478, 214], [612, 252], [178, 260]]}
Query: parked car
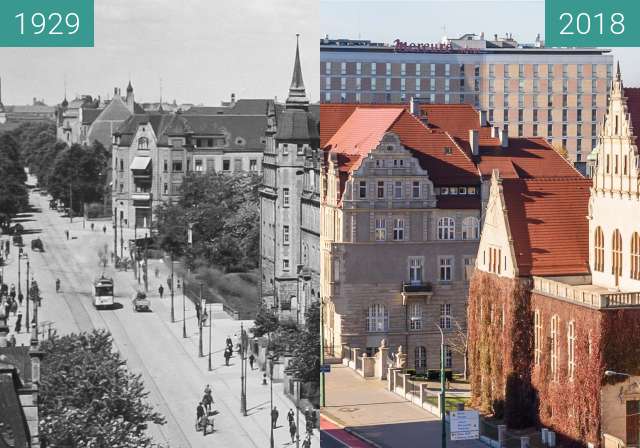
{"points": [[17, 240], [140, 302]]}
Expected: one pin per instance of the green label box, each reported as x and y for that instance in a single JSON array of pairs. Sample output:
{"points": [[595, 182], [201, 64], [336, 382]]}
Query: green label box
{"points": [[592, 23], [46, 23]]}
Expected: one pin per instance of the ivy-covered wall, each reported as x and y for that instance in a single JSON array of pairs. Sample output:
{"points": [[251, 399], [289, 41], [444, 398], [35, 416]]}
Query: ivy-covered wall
{"points": [[570, 406], [500, 348]]}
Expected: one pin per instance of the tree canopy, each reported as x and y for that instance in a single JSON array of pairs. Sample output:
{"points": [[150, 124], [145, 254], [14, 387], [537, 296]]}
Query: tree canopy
{"points": [[13, 192], [305, 364], [88, 398], [223, 213]]}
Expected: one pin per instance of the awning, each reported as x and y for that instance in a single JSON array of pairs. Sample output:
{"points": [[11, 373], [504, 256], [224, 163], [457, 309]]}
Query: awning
{"points": [[140, 163]]}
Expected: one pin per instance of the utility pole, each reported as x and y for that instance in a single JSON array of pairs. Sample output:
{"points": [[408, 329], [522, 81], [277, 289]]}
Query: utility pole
{"points": [[202, 309], [210, 330], [184, 322], [442, 392], [297, 413], [243, 373], [271, 445], [70, 203], [121, 241], [146, 270], [173, 318], [115, 235], [26, 281]]}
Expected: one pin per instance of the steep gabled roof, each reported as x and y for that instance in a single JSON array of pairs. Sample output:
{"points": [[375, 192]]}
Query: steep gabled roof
{"points": [[548, 223], [633, 106]]}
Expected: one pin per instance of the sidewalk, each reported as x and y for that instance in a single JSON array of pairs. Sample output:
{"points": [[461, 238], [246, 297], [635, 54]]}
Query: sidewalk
{"points": [[381, 417]]}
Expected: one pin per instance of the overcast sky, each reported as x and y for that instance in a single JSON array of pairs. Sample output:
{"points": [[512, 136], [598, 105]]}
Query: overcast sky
{"points": [[429, 20], [202, 49]]}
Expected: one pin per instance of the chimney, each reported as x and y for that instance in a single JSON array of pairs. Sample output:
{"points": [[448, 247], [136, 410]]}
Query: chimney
{"points": [[474, 140], [482, 115], [414, 107], [504, 138], [495, 132]]}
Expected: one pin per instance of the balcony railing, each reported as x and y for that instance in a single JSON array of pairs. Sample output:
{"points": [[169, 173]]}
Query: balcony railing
{"points": [[580, 294], [417, 287]]}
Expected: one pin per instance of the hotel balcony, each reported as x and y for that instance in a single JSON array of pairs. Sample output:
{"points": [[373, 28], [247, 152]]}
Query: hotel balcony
{"points": [[416, 289], [580, 290]]}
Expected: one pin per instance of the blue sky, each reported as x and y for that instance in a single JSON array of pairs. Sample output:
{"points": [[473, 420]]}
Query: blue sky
{"points": [[428, 21]]}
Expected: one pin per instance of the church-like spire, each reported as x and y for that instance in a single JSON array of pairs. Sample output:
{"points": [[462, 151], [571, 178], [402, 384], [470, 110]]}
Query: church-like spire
{"points": [[297, 93], [129, 87]]}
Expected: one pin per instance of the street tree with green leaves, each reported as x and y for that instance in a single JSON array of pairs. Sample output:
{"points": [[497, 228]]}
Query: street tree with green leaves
{"points": [[88, 398], [305, 364], [13, 192]]}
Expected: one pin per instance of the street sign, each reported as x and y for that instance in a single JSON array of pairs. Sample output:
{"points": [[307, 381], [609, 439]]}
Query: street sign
{"points": [[325, 368], [465, 425]]}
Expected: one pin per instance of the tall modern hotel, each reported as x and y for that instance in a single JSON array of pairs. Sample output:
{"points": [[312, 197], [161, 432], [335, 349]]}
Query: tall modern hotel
{"points": [[530, 89]]}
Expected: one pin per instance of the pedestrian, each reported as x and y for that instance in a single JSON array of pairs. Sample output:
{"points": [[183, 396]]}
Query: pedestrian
{"points": [[169, 282], [20, 298], [198, 311], [92, 227], [292, 430], [310, 420], [207, 400], [12, 340], [161, 291], [290, 416], [251, 360], [104, 229], [157, 272], [14, 307], [207, 390], [18, 326], [227, 355], [274, 417], [7, 246], [307, 442], [66, 232], [57, 285], [199, 412]]}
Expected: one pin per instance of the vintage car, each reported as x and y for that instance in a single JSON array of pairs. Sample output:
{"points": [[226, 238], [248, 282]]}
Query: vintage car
{"points": [[17, 240], [140, 302], [36, 244]]}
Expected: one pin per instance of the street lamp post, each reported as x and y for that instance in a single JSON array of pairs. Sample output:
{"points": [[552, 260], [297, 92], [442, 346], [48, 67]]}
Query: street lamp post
{"points": [[184, 322], [243, 372], [173, 318], [121, 241], [270, 357], [297, 413], [115, 234], [442, 391], [210, 330], [146, 262], [26, 281], [202, 310], [322, 379]]}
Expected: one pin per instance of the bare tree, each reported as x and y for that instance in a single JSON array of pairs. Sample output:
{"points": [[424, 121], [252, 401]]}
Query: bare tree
{"points": [[459, 343]]}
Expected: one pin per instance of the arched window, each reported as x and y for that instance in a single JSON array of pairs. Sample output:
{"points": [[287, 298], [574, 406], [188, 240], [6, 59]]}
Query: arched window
{"points": [[378, 318], [635, 256], [446, 228], [616, 255], [598, 250], [571, 349], [143, 143], [470, 228], [420, 356]]}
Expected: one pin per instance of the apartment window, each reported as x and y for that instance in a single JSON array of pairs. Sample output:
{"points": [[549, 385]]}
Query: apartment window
{"points": [[226, 165], [571, 347], [398, 229], [165, 165], [397, 190], [549, 72], [415, 318], [403, 84], [446, 228], [432, 85], [381, 229], [373, 68], [415, 269], [253, 165], [580, 86], [445, 316], [327, 68], [358, 68], [380, 189], [470, 228], [506, 71], [505, 115], [121, 188], [565, 86], [343, 68], [635, 256], [417, 86], [448, 357], [521, 86], [490, 115], [165, 188], [388, 68], [358, 83], [564, 115], [432, 69], [420, 355], [535, 130], [447, 98], [447, 85], [143, 143], [285, 197], [387, 84], [415, 189], [327, 97], [565, 70], [377, 318], [469, 265], [403, 69], [445, 269], [373, 84], [198, 165], [564, 133], [343, 83], [594, 71], [417, 69], [554, 347], [362, 189], [447, 69], [176, 165], [285, 234], [285, 264], [616, 255], [537, 337]]}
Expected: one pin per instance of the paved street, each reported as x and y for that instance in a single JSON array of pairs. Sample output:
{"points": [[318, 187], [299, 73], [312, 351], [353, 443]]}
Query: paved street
{"points": [[172, 371], [380, 416]]}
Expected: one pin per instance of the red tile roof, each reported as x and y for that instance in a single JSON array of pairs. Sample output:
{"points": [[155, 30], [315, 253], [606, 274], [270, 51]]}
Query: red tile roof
{"points": [[547, 219]]}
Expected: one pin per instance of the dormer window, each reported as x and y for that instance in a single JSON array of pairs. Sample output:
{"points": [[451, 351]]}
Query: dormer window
{"points": [[448, 150], [240, 141], [390, 148], [143, 143]]}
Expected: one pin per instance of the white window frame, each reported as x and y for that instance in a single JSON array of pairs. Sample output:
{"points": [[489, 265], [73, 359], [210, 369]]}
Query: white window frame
{"points": [[381, 229], [397, 190], [420, 357], [571, 350], [537, 337], [362, 189], [286, 234], [415, 316], [398, 229], [445, 316], [377, 318], [445, 266], [446, 228], [470, 228], [416, 270], [555, 326], [285, 197], [416, 189]]}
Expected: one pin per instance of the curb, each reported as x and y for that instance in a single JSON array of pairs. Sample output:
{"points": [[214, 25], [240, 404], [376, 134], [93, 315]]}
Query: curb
{"points": [[350, 430]]}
